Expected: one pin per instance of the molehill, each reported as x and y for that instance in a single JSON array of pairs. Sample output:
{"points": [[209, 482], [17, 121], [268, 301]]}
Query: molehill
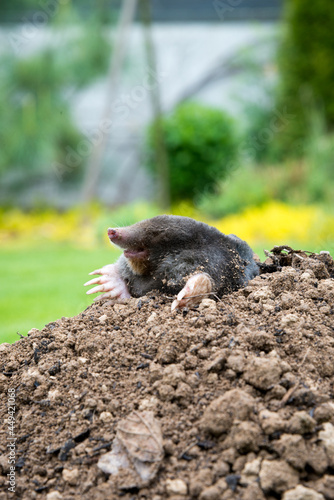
{"points": [[229, 400]]}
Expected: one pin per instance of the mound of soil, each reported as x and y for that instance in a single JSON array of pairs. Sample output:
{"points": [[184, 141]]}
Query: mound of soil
{"points": [[239, 391]]}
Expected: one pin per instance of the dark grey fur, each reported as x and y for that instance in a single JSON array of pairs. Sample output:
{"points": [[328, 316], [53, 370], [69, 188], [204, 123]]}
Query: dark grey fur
{"points": [[179, 247]]}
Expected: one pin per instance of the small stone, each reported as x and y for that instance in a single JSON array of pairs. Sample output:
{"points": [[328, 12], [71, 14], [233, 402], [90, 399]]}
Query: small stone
{"points": [[71, 476], [152, 318], [302, 493], [176, 487], [278, 476], [149, 403], [207, 304], [54, 495], [54, 395], [106, 416], [103, 318], [250, 472], [83, 360]]}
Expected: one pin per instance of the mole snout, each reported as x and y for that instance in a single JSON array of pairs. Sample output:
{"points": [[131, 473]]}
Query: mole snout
{"points": [[112, 233]]}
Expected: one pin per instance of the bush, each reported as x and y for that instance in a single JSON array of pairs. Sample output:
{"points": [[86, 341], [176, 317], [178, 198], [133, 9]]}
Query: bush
{"points": [[247, 188], [201, 145], [307, 70]]}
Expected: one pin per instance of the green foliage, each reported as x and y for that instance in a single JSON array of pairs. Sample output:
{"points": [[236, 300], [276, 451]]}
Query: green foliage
{"points": [[319, 163], [245, 188], [308, 180], [307, 70], [36, 126], [201, 144]]}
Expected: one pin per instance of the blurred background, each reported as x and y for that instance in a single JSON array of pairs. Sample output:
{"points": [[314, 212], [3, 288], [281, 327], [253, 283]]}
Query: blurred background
{"points": [[116, 111]]}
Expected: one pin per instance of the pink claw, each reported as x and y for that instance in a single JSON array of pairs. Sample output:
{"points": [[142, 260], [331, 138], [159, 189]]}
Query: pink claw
{"points": [[196, 288], [110, 282]]}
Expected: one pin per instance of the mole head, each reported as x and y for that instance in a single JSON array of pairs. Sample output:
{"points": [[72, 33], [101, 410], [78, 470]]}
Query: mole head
{"points": [[150, 239]]}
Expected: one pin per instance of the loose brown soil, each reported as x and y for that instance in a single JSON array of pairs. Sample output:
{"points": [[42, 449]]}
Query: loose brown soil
{"points": [[242, 390]]}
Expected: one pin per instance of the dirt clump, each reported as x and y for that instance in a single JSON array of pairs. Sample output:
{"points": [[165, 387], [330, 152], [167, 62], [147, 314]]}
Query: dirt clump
{"points": [[235, 397]]}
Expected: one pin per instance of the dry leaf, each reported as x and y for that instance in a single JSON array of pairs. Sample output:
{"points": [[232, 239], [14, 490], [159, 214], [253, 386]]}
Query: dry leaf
{"points": [[137, 448]]}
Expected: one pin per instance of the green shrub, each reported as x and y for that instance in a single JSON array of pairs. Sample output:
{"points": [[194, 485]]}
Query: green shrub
{"points": [[201, 145], [307, 70], [245, 188]]}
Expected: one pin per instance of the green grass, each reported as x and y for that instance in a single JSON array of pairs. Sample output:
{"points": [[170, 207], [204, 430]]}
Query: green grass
{"points": [[40, 285]]}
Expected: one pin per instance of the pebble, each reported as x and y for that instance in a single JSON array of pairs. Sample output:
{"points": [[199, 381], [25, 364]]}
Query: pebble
{"points": [[207, 304], [302, 493], [176, 487], [152, 318], [71, 476], [54, 495], [106, 416]]}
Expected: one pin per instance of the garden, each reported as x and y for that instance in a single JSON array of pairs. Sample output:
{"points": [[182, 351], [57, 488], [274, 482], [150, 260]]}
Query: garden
{"points": [[230, 397]]}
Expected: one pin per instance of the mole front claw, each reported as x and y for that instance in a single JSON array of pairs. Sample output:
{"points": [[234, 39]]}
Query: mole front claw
{"points": [[109, 282], [197, 288]]}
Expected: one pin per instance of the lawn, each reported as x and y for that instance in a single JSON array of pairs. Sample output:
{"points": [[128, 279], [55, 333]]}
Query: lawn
{"points": [[43, 284]]}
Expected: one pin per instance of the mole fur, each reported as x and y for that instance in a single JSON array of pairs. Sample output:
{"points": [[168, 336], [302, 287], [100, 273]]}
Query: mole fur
{"points": [[163, 252]]}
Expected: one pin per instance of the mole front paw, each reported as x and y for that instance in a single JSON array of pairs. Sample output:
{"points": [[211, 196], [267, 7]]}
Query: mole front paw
{"points": [[197, 288], [110, 283]]}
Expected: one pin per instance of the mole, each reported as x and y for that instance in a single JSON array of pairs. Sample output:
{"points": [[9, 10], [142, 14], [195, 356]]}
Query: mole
{"points": [[177, 256]]}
